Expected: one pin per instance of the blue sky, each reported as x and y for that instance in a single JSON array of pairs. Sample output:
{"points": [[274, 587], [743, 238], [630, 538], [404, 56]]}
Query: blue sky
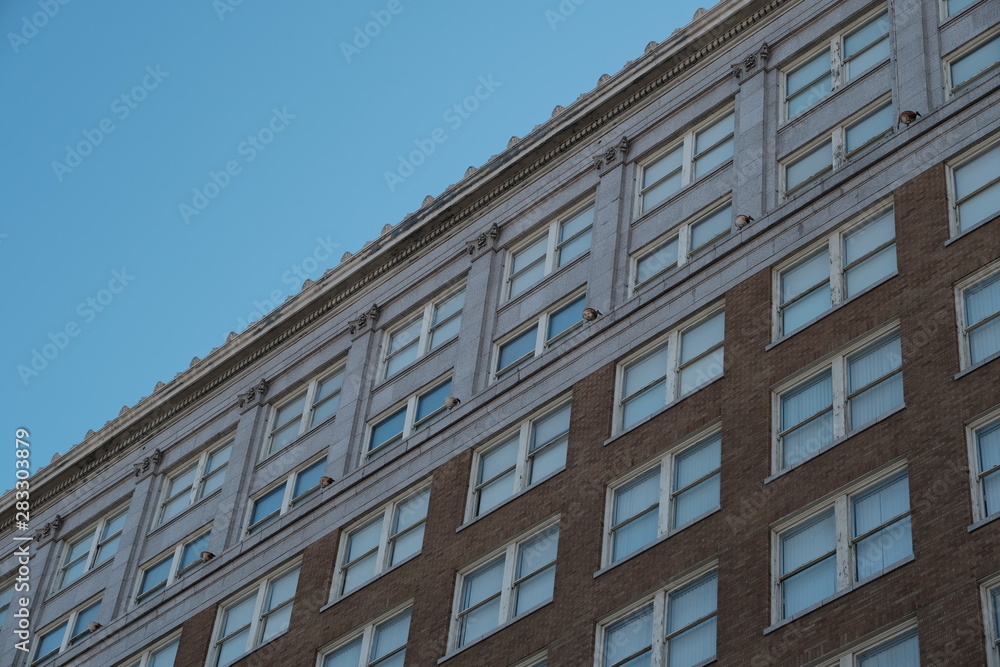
{"points": [[170, 170]]}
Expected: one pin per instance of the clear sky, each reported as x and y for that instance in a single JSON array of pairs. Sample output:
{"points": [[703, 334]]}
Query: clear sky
{"points": [[169, 169]]}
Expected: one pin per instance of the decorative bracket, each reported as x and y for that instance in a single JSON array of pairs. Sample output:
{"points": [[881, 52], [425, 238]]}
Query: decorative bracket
{"points": [[611, 156], [749, 65], [254, 395], [148, 462], [362, 321], [489, 237], [51, 527]]}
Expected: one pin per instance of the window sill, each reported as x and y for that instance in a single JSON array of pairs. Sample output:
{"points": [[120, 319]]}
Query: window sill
{"points": [[499, 628], [657, 541], [639, 218], [541, 283], [839, 594], [186, 510], [965, 232], [509, 500], [982, 522], [838, 441], [826, 313], [977, 365], [378, 576], [659, 412]]}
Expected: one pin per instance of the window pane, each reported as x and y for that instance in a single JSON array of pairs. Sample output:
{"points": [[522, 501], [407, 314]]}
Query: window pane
{"points": [[806, 309], [628, 637], [809, 586], [432, 401], [364, 539], [477, 623], [565, 318], [156, 575], [871, 270], [714, 134], [276, 622], [808, 542], [661, 191], [657, 170], [325, 407], [233, 648], [74, 571], [547, 461], [807, 439], [874, 362], [861, 240], [496, 492], [238, 615], [535, 590], [977, 172], [282, 589], [880, 550], [691, 603], [215, 470], [900, 652], [174, 507], [875, 124], [991, 491], [284, 435], [390, 635], [876, 506], [805, 275], [579, 222], [522, 346], [389, 429], [976, 61], [360, 572], [988, 443], [663, 257], [955, 6], [526, 256], [646, 370], [694, 646], [345, 656], [181, 482], [811, 397], [708, 161], [643, 404], [575, 227], [290, 411], [872, 34], [982, 300], [811, 164], [550, 427], [696, 462], [269, 503], [985, 341], [411, 511], [447, 308], [192, 551], [573, 249], [482, 583], [710, 227], [536, 553], [637, 496], [808, 83], [402, 359], [50, 642], [635, 535], [697, 500], [702, 371], [84, 618], [981, 206], [164, 657], [308, 479], [329, 386], [406, 545], [874, 402], [497, 459]]}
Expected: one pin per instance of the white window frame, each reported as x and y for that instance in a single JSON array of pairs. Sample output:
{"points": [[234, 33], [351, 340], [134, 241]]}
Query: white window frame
{"points": [[951, 167], [385, 514], [410, 423], [976, 473], [665, 503], [522, 467], [673, 371], [196, 490], [659, 601], [837, 138], [553, 245], [367, 634], [952, 89], [683, 236], [69, 639], [260, 591], [94, 531], [308, 408], [838, 69], [542, 342], [840, 502], [175, 554], [834, 245], [850, 658], [991, 626], [509, 553], [686, 143], [965, 351], [427, 329], [145, 658], [837, 364], [289, 499]]}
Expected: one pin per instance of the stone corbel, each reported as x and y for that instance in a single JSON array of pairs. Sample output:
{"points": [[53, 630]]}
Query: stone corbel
{"points": [[489, 237], [364, 320], [253, 396], [751, 63], [611, 157], [148, 463], [51, 528]]}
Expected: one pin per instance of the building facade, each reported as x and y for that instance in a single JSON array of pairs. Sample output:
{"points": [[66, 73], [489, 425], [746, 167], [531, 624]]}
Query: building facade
{"points": [[702, 371]]}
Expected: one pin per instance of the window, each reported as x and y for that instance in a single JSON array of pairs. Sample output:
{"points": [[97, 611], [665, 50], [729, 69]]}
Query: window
{"points": [[537, 660], [972, 64], [677, 628], [522, 458], [688, 359], [381, 541], [678, 489], [567, 238], [952, 7], [848, 56], [170, 567], [678, 247], [6, 597], [162, 656], [382, 643], [437, 324], [845, 265], [855, 536], [280, 499], [65, 633], [836, 149], [419, 410], [984, 445], [304, 411], [979, 318], [975, 185], [692, 157], [255, 618], [550, 328], [195, 482], [842, 395], [991, 607], [94, 548], [898, 650], [510, 584]]}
